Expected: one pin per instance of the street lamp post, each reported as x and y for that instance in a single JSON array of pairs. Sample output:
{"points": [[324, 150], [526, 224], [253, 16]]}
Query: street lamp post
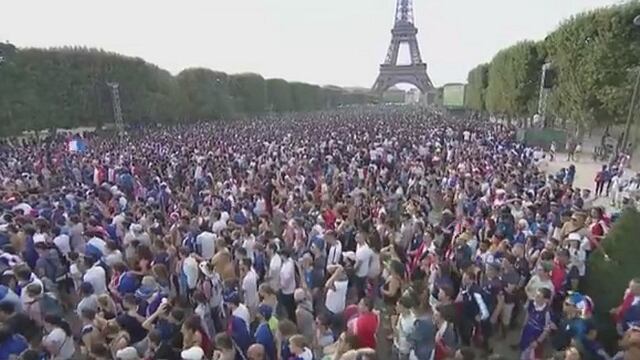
{"points": [[543, 94], [632, 106]]}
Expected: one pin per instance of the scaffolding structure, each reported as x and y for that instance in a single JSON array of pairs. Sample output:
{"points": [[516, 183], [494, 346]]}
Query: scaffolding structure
{"points": [[117, 108]]}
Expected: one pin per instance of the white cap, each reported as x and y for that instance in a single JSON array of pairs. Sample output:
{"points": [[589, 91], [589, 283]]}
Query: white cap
{"points": [[192, 353], [574, 236], [128, 353]]}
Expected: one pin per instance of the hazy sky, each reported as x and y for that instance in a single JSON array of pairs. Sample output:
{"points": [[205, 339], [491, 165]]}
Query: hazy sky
{"points": [[338, 42]]}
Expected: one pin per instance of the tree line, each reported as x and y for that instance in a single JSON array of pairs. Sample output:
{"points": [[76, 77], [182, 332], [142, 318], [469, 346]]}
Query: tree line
{"points": [[67, 87], [593, 56]]}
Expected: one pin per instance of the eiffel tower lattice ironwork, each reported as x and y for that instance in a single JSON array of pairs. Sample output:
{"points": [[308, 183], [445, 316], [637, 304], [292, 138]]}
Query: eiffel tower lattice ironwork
{"points": [[415, 73]]}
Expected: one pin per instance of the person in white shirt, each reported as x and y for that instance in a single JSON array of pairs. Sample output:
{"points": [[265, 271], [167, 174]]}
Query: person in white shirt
{"points": [[89, 299], [39, 238], [543, 164], [59, 339], [335, 248], [112, 254], [62, 241], [577, 254], [336, 286], [206, 242], [97, 277], [189, 268], [404, 327], [220, 222], [466, 135], [541, 279], [249, 285], [364, 255], [249, 244], [275, 264], [239, 309], [287, 284]]}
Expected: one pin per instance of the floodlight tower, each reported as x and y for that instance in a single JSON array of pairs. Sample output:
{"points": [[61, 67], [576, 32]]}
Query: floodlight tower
{"points": [[117, 109]]}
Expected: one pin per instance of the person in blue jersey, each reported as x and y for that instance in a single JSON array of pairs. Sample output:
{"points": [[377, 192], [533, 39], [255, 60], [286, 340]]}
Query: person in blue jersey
{"points": [[264, 335], [11, 344], [239, 324]]}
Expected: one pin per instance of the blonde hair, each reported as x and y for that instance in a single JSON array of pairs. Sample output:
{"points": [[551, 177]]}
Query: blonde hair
{"points": [[104, 300], [298, 341]]}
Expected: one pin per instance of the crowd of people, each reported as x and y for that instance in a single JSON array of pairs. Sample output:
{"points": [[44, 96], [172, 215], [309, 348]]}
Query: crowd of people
{"points": [[351, 234]]}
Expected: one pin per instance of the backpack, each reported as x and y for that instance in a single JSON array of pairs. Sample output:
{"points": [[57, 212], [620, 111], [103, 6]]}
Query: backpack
{"points": [[212, 289], [56, 269], [49, 305], [63, 259]]}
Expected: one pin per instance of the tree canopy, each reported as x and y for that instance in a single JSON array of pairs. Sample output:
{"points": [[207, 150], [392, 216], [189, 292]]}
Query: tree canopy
{"points": [[513, 80], [593, 55], [67, 87], [476, 88]]}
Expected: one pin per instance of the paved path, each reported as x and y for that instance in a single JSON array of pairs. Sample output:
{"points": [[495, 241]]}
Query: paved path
{"points": [[586, 170]]}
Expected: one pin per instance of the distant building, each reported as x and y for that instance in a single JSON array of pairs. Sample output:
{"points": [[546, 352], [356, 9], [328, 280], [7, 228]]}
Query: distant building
{"points": [[412, 96]]}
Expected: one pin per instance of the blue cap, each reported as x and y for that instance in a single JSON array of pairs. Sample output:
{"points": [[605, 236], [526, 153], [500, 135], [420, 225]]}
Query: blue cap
{"points": [[265, 310], [233, 298], [575, 298]]}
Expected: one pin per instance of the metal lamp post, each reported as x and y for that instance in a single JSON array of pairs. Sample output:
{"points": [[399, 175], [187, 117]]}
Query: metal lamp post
{"points": [[634, 98]]}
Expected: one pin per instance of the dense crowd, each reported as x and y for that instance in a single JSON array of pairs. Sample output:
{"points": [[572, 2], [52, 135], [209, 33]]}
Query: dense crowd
{"points": [[353, 234]]}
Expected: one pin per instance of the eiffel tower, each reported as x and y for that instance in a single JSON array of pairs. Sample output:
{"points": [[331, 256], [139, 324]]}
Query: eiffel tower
{"points": [[404, 31]]}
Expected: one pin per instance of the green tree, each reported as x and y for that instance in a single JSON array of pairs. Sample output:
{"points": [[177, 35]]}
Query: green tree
{"points": [[514, 80], [593, 54], [607, 279], [249, 92], [67, 87], [305, 96], [477, 82], [279, 95], [207, 94]]}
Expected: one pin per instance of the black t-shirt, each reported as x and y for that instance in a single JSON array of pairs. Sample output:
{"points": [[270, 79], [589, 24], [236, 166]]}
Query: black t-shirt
{"points": [[510, 278], [21, 323], [166, 352], [132, 326]]}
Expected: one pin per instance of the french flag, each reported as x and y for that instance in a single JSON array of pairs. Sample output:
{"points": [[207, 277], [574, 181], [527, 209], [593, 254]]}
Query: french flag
{"points": [[77, 145]]}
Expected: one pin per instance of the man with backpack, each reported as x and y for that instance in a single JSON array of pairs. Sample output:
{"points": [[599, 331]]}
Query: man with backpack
{"points": [[37, 303], [50, 267]]}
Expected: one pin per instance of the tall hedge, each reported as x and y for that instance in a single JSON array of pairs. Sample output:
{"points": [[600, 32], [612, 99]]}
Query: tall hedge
{"points": [[476, 88], [249, 92], [513, 80], [593, 55], [607, 279], [67, 87], [305, 96], [279, 95], [207, 93]]}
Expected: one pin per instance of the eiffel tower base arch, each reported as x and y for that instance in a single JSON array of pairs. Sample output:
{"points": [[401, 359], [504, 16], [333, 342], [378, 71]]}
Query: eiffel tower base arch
{"points": [[391, 75]]}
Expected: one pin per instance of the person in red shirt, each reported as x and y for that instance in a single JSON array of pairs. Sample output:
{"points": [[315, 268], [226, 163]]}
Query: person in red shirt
{"points": [[598, 228], [627, 300], [329, 217], [559, 271], [366, 324]]}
